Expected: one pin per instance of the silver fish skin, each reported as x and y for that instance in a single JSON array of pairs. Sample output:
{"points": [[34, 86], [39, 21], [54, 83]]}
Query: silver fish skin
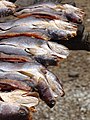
{"points": [[15, 58], [33, 70], [17, 76], [52, 81], [25, 31], [23, 21], [68, 9], [15, 80], [28, 67], [13, 75], [12, 50]]}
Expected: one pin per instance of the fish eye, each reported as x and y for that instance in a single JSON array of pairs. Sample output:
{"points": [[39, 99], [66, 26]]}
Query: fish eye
{"points": [[23, 111], [51, 103], [79, 20]]}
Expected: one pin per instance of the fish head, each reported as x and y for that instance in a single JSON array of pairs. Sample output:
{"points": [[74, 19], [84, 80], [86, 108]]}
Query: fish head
{"points": [[73, 13], [58, 50], [73, 17], [13, 111], [46, 93]]}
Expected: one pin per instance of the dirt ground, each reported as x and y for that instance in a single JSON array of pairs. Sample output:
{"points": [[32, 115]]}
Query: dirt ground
{"points": [[75, 75]]}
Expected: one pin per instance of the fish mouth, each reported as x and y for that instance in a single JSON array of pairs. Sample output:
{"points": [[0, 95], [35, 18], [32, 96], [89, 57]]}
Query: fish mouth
{"points": [[51, 103]]}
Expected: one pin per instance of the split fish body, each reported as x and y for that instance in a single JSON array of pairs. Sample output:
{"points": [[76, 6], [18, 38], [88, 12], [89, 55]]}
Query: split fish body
{"points": [[37, 47], [11, 53], [64, 12], [53, 29], [45, 52]]}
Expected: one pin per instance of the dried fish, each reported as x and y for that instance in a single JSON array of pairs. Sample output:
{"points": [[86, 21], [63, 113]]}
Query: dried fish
{"points": [[42, 79], [55, 11], [25, 47], [41, 50], [53, 29]]}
